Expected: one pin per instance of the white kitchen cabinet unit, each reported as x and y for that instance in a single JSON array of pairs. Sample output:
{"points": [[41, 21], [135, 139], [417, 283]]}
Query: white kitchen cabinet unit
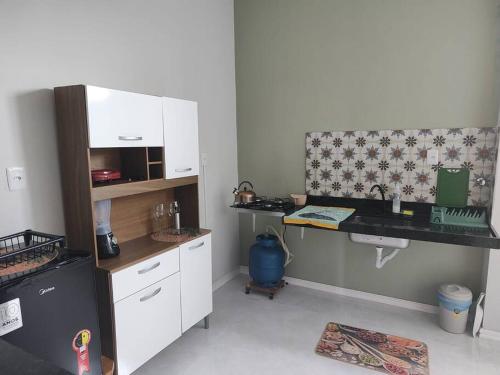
{"points": [[146, 322], [123, 119], [196, 280], [180, 121], [156, 299]]}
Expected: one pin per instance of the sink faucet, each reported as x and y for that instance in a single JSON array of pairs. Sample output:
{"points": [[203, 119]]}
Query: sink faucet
{"points": [[379, 189]]}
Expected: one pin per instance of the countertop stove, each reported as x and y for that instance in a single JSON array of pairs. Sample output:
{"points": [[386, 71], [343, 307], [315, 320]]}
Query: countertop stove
{"points": [[267, 204]]}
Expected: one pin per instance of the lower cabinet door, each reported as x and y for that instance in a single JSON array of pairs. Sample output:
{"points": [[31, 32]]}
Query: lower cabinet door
{"points": [[196, 280], [146, 322]]}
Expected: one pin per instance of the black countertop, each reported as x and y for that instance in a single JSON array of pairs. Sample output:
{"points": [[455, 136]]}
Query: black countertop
{"points": [[15, 361], [375, 217]]}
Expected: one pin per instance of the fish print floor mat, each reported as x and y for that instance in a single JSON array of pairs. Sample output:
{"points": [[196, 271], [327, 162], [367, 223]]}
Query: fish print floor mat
{"points": [[374, 350]]}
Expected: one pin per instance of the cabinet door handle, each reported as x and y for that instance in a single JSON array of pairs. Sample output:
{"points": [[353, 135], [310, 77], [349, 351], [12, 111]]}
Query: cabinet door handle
{"points": [[145, 270], [145, 298], [129, 138], [183, 169], [197, 246]]}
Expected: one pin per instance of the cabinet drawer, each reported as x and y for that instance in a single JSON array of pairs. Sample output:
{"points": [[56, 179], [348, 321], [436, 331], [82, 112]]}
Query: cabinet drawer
{"points": [[123, 119], [196, 280], [141, 275], [147, 322]]}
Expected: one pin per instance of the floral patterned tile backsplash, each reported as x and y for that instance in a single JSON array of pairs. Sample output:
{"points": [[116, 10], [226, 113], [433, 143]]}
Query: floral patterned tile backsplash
{"points": [[349, 163]]}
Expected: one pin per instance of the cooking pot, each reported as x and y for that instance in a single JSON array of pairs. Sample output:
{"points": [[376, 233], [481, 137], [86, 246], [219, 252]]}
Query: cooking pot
{"points": [[245, 195]]}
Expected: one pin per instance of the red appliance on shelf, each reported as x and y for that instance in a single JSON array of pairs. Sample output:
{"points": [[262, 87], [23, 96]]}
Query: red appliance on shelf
{"points": [[103, 175]]}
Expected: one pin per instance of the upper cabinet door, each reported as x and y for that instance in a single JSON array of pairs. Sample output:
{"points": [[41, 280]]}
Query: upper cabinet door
{"points": [[123, 119], [180, 121]]}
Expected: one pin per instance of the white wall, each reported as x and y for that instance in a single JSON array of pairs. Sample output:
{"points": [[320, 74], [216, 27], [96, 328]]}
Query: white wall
{"points": [[309, 65], [179, 48]]}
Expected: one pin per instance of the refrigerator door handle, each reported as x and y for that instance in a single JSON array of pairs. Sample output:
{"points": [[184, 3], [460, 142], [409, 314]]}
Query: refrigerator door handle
{"points": [[145, 270], [145, 298]]}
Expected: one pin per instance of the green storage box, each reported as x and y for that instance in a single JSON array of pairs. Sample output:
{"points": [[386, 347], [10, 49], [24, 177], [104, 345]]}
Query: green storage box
{"points": [[452, 187]]}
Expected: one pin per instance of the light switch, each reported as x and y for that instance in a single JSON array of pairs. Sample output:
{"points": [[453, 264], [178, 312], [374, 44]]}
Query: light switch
{"points": [[432, 156], [16, 178]]}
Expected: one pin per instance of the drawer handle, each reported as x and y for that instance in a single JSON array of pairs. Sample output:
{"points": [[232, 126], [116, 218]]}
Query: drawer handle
{"points": [[183, 169], [145, 298], [197, 246], [129, 138], [145, 270]]}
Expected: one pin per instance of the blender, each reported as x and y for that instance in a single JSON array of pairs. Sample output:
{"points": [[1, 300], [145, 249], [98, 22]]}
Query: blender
{"points": [[107, 245]]}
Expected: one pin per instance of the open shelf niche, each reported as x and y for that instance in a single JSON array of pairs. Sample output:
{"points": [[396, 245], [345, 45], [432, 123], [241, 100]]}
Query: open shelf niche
{"points": [[155, 163], [131, 216], [132, 221], [134, 163]]}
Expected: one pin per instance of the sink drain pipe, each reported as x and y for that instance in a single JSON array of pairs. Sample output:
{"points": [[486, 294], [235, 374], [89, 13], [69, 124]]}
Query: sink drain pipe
{"points": [[381, 259]]}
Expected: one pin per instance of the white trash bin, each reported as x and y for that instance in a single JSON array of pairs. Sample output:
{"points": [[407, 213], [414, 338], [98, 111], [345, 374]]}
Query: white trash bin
{"points": [[454, 303]]}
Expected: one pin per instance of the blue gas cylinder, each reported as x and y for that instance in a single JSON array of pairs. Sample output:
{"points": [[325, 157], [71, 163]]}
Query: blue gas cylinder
{"points": [[267, 259]]}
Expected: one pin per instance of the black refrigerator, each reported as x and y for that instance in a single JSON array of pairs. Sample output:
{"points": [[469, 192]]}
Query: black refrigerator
{"points": [[52, 313]]}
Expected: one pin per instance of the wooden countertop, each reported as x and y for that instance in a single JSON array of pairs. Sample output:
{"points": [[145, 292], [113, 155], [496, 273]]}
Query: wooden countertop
{"points": [[139, 249]]}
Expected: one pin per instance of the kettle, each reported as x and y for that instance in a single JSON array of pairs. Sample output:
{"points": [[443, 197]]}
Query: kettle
{"points": [[245, 195]]}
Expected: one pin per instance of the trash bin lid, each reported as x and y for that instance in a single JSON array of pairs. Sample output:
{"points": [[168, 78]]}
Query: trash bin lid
{"points": [[455, 292]]}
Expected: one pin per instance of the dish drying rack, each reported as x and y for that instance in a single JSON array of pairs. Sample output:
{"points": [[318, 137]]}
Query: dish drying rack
{"points": [[474, 217], [27, 247]]}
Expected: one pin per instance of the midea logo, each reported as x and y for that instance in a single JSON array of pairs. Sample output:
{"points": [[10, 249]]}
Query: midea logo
{"points": [[43, 291]]}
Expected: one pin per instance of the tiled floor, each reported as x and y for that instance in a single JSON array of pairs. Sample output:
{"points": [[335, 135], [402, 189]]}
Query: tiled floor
{"points": [[253, 335]]}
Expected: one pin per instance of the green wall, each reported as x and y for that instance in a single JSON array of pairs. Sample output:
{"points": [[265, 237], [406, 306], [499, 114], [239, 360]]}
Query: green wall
{"points": [[310, 65]]}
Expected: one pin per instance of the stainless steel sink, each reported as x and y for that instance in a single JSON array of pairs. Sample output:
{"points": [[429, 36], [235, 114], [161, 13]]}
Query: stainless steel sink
{"points": [[387, 220], [380, 241]]}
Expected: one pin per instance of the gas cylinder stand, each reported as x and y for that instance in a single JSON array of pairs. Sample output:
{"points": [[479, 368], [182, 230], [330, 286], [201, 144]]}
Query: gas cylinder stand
{"points": [[271, 290]]}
